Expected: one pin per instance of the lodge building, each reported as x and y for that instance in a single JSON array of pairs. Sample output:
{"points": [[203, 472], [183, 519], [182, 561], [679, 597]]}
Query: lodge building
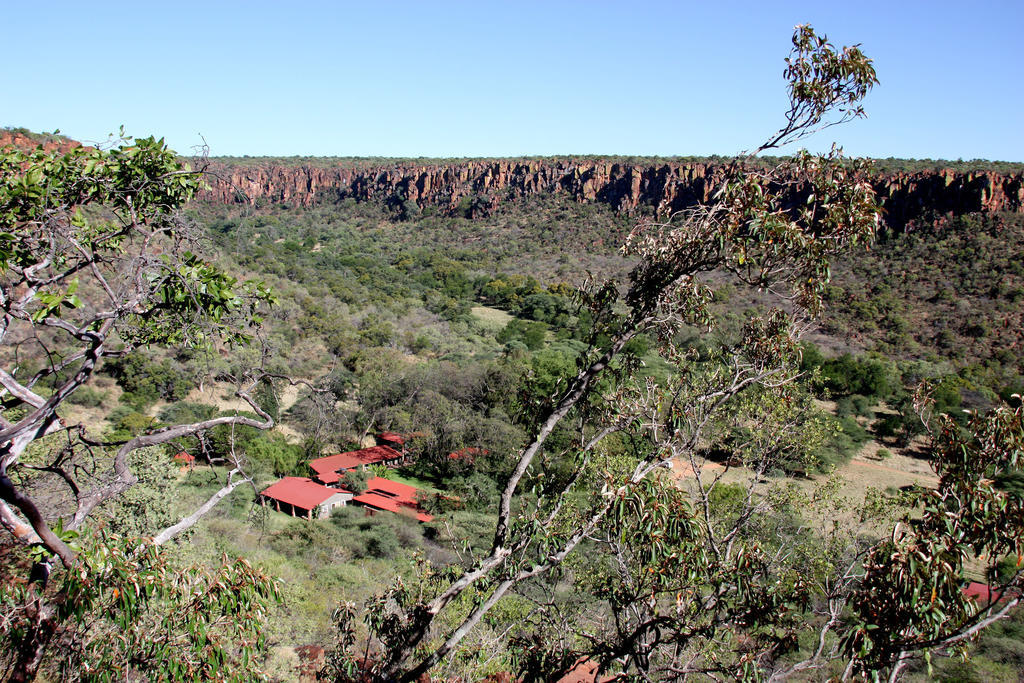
{"points": [[319, 495]]}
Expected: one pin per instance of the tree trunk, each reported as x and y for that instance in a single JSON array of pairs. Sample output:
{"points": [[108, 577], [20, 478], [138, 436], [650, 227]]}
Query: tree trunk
{"points": [[31, 647]]}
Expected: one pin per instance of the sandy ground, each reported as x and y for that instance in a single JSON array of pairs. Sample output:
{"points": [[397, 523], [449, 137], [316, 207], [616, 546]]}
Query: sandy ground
{"points": [[864, 471]]}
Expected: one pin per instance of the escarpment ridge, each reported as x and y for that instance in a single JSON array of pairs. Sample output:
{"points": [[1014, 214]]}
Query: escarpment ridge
{"points": [[473, 186], [659, 186]]}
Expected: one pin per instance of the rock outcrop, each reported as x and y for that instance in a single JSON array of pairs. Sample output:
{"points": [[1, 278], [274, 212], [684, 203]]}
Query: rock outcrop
{"points": [[20, 140], [480, 185], [660, 187]]}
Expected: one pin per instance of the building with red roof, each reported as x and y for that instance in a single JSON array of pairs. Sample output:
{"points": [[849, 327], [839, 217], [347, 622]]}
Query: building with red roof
{"points": [[396, 440], [301, 496], [185, 459], [391, 496], [324, 468], [304, 497], [329, 478], [585, 671], [393, 439]]}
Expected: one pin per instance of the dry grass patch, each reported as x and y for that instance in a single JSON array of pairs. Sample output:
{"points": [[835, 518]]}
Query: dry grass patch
{"points": [[492, 318]]}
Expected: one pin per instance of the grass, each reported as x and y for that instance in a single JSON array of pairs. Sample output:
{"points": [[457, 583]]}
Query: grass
{"points": [[492, 318], [421, 484], [865, 471]]}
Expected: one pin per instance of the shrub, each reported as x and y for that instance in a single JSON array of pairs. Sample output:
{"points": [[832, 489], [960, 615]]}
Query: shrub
{"points": [[88, 397], [356, 480], [382, 541]]}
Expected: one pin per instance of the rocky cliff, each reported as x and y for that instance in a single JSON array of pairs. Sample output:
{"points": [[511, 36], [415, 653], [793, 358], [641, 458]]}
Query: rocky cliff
{"points": [[480, 185], [27, 141], [625, 186]]}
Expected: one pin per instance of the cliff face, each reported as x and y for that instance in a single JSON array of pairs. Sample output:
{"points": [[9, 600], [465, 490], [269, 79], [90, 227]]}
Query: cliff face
{"points": [[664, 187], [625, 187], [661, 187], [49, 143], [909, 196]]}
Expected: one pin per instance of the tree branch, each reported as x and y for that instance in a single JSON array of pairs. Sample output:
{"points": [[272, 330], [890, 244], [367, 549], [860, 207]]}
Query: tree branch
{"points": [[190, 521]]}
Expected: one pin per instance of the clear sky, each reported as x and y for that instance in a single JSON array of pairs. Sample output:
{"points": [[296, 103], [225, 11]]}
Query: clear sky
{"points": [[491, 78]]}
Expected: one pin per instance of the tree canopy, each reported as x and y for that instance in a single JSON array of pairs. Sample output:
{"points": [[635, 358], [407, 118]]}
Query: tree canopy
{"points": [[95, 262]]}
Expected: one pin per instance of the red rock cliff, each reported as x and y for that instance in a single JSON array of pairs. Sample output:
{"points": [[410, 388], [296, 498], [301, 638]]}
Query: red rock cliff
{"points": [[16, 139], [663, 187]]}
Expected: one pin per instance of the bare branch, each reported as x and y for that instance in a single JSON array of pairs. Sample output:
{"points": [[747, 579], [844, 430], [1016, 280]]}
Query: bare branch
{"points": [[189, 521]]}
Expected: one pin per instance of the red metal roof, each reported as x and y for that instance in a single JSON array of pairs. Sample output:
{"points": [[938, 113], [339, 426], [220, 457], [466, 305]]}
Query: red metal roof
{"points": [[328, 477], [385, 494], [981, 592], [300, 492], [380, 502], [352, 459], [393, 437], [468, 454], [585, 671], [403, 493]]}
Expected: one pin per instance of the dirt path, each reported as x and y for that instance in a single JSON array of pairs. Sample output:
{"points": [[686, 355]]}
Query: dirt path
{"points": [[685, 470]]}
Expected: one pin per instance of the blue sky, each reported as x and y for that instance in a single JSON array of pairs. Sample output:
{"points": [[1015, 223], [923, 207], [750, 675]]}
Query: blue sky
{"points": [[490, 78]]}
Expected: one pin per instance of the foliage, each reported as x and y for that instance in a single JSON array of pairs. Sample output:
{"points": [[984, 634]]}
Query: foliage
{"points": [[378, 536], [96, 264], [145, 380], [756, 233], [126, 610], [376, 301], [997, 655], [846, 375], [356, 480], [945, 294], [910, 598], [151, 505], [655, 572], [531, 334]]}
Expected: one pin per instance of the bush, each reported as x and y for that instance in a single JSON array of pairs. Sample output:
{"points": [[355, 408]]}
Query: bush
{"points": [[382, 535], [126, 423], [87, 397], [903, 426], [848, 375], [186, 411], [531, 334], [299, 535], [477, 491], [270, 452], [854, 405], [356, 480], [846, 439], [381, 541], [145, 380]]}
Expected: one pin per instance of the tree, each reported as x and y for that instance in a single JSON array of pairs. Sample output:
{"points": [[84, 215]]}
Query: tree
{"points": [[909, 598], [95, 263], [750, 580], [356, 480], [768, 227]]}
